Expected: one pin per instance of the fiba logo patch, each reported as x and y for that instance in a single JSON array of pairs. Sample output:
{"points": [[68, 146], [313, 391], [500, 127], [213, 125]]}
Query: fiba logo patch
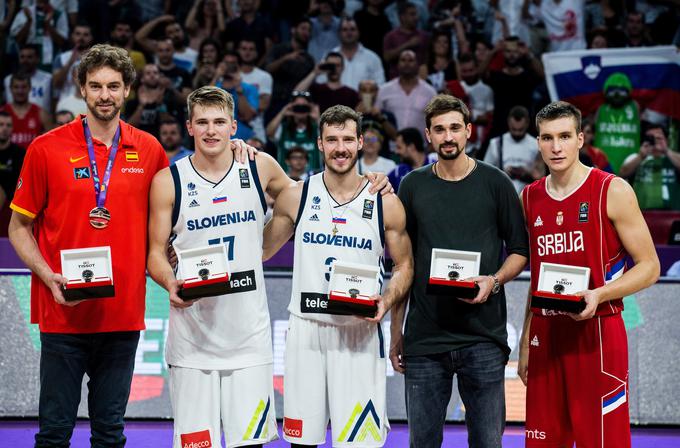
{"points": [[583, 212]]}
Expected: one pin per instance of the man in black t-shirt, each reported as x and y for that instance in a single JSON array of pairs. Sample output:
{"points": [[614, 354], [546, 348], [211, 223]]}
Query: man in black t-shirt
{"points": [[458, 203], [11, 159]]}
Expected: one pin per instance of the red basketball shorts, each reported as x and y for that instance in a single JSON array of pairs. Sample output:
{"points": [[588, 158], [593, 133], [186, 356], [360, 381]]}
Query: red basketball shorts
{"points": [[577, 389]]}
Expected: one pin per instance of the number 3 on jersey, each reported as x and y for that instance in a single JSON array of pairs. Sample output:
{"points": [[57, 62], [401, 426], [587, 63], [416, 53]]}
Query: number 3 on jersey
{"points": [[229, 241]]}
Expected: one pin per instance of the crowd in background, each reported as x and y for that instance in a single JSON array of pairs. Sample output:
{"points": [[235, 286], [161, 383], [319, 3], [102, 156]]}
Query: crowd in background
{"points": [[285, 62]]}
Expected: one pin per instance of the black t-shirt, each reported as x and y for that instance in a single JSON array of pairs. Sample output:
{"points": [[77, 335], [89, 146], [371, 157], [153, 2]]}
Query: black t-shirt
{"points": [[11, 160], [179, 77], [510, 91], [478, 213], [290, 72], [258, 30], [372, 30], [326, 97]]}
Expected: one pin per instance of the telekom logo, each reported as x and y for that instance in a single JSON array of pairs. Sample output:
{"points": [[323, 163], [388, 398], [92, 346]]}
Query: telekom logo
{"points": [[200, 439]]}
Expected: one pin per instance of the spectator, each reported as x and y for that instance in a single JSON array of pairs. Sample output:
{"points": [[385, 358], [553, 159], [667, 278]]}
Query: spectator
{"points": [[175, 78], [209, 54], [407, 95], [41, 25], [28, 120], [295, 125], [123, 36], [406, 37], [11, 159], [598, 39], [296, 161], [481, 101], [152, 103], [62, 117], [564, 22], [74, 103], [360, 63], [333, 91], [289, 63], [618, 121], [450, 20], [251, 74], [371, 160], [205, 20], [66, 62], [373, 25], [253, 25], [653, 172], [635, 31], [246, 96], [325, 27], [183, 57], [371, 115], [508, 21], [170, 136], [513, 85], [411, 150], [594, 155], [41, 81], [440, 66], [516, 152]]}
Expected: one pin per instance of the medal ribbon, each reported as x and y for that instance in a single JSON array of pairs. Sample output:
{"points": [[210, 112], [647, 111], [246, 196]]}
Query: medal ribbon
{"points": [[100, 189]]}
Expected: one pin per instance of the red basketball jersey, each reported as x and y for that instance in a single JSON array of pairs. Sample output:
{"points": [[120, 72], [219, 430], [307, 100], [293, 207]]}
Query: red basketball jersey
{"points": [[25, 129], [575, 231]]}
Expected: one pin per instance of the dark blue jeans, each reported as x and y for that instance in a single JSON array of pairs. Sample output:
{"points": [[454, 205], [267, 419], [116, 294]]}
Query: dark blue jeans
{"points": [[481, 384], [109, 360]]}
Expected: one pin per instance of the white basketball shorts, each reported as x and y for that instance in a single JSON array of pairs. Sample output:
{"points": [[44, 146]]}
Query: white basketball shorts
{"points": [[337, 373]]}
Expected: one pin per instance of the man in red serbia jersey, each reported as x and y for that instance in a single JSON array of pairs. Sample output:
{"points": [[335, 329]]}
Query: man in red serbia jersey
{"points": [[575, 366]]}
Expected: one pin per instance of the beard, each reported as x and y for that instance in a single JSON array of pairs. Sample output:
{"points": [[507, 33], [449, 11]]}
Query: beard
{"points": [[350, 166], [104, 117], [449, 156]]}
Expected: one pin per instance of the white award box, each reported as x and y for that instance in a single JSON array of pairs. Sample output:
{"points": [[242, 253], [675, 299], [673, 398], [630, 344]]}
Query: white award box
{"points": [[448, 271], [351, 286], [205, 271], [88, 273], [558, 285]]}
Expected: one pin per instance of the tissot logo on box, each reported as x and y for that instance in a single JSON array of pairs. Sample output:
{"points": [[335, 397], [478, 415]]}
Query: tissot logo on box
{"points": [[292, 427], [200, 439], [81, 173]]}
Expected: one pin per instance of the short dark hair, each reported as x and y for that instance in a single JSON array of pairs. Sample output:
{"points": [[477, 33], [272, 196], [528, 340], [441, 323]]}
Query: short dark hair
{"points": [[33, 47], [466, 57], [651, 126], [295, 149], [335, 54], [338, 115], [556, 110], [442, 104], [103, 55], [518, 113], [297, 21], [171, 121], [402, 7], [20, 75], [5, 114], [412, 136]]}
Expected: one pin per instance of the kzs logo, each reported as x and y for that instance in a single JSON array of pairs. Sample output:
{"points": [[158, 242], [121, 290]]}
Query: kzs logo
{"points": [[316, 201], [329, 262]]}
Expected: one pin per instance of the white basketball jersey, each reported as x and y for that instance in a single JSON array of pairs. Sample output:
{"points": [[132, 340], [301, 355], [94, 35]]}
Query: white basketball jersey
{"points": [[230, 331], [360, 239]]}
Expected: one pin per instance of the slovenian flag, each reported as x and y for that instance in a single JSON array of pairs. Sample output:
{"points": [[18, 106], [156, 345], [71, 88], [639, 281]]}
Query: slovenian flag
{"points": [[220, 199], [339, 220], [578, 76]]}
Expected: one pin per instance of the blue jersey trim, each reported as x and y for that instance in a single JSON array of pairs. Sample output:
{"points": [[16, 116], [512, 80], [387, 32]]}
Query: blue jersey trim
{"points": [[381, 341], [381, 226], [178, 193], [258, 185], [303, 200]]}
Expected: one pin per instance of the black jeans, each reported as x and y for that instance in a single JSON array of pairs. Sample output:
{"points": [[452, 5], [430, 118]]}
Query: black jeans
{"points": [[109, 360]]}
